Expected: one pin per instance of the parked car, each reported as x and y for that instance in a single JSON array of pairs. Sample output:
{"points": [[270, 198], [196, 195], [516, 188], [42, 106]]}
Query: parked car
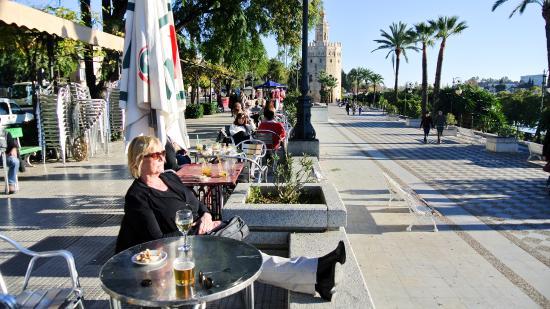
{"points": [[11, 113], [21, 93]]}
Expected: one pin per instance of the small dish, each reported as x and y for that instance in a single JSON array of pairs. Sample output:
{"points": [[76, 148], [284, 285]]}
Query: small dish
{"points": [[157, 257]]}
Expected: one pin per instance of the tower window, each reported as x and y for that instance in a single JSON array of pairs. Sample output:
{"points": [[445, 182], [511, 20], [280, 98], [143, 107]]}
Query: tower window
{"points": [[330, 60], [310, 60], [310, 78]]}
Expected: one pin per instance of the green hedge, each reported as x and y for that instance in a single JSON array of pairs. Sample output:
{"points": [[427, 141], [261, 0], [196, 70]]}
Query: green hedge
{"points": [[210, 108], [194, 111]]}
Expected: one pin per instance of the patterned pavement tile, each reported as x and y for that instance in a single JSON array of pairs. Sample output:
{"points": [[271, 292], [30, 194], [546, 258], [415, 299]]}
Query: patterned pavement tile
{"points": [[504, 190]]}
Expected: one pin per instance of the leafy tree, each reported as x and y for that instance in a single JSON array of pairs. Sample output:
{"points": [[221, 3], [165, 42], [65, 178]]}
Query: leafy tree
{"points": [[328, 83], [398, 41], [445, 27], [345, 82], [425, 35], [545, 5], [276, 71]]}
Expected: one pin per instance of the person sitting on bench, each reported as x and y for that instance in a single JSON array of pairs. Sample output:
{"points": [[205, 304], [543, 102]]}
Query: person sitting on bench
{"points": [[12, 160]]}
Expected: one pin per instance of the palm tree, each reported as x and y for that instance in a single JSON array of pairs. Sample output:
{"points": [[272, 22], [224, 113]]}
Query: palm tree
{"points": [[375, 79], [445, 27], [365, 76], [425, 35], [328, 83], [545, 4], [352, 77], [398, 41]]}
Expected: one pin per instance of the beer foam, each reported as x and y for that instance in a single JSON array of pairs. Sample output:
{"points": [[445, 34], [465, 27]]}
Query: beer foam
{"points": [[184, 265]]}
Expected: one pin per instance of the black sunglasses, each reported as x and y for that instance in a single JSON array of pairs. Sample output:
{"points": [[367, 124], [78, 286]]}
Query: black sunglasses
{"points": [[156, 155]]}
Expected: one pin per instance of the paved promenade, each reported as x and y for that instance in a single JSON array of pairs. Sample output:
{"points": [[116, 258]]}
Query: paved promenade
{"points": [[492, 250], [493, 246]]}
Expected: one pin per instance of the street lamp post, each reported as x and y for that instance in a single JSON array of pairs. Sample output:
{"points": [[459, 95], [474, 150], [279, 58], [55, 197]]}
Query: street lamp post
{"points": [[458, 91]]}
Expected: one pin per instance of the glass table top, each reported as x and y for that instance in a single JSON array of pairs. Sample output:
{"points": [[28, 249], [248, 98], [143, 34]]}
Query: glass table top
{"points": [[231, 264]]}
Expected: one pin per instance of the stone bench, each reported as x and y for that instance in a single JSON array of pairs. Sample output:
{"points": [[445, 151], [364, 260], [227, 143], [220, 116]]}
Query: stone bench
{"points": [[352, 291], [470, 136], [535, 151]]}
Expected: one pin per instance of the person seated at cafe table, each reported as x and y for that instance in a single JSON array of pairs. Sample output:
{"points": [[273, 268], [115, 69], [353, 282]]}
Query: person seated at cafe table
{"points": [[154, 198], [241, 129], [176, 156], [270, 124]]}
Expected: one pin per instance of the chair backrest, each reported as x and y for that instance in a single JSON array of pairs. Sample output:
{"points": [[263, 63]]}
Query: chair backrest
{"points": [[394, 186], [15, 132], [253, 148], [268, 137]]}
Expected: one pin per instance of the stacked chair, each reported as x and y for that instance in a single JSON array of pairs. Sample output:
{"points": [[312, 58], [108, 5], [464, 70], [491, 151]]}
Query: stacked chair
{"points": [[53, 121], [91, 118], [116, 114]]}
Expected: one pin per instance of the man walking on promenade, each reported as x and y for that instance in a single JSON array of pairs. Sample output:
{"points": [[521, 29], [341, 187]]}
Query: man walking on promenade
{"points": [[439, 125], [427, 123]]}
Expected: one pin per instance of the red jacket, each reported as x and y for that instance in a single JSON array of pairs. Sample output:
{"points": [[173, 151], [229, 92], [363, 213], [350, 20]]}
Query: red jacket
{"points": [[276, 127]]}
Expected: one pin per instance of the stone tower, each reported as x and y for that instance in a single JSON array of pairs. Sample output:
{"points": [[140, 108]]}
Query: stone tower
{"points": [[324, 56]]}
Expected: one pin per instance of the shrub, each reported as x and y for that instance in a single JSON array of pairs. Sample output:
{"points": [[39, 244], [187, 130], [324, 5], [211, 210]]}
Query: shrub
{"points": [[194, 111], [506, 131], [391, 109], [210, 108], [450, 119]]}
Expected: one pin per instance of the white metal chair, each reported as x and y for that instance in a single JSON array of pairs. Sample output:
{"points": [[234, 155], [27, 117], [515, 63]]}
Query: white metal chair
{"points": [[253, 151], [51, 298]]}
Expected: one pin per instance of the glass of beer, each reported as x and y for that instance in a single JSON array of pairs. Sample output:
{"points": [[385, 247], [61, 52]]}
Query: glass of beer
{"points": [[184, 271], [184, 221]]}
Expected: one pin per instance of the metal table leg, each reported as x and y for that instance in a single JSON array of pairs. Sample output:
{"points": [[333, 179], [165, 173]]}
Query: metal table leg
{"points": [[115, 303], [248, 296]]}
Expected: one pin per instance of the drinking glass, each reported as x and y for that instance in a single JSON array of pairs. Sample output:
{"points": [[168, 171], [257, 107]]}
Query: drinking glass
{"points": [[184, 271], [184, 221]]}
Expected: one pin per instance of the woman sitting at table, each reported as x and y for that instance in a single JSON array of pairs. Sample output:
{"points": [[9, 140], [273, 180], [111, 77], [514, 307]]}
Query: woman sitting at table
{"points": [[270, 124], [150, 209], [242, 128]]}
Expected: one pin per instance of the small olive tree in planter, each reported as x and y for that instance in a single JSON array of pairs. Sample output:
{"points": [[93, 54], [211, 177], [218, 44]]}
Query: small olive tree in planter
{"points": [[504, 141], [451, 129], [293, 203]]}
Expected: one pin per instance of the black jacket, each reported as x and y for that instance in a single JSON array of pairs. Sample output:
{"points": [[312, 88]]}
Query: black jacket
{"points": [[546, 146], [147, 216]]}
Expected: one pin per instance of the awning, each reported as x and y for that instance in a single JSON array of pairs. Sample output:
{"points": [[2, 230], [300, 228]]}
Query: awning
{"points": [[33, 19], [270, 84]]}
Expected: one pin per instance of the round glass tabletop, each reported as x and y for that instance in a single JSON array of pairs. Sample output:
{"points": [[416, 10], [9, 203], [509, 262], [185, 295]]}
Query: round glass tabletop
{"points": [[231, 264]]}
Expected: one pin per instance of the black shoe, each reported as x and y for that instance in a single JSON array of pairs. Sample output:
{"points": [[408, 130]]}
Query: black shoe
{"points": [[326, 270]]}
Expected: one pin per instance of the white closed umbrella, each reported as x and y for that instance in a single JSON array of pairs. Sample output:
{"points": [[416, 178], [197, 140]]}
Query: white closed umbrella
{"points": [[151, 88]]}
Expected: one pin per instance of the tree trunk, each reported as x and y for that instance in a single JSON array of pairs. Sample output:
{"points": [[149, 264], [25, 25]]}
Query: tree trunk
{"points": [[438, 74], [85, 11], [374, 95], [424, 78], [397, 55]]}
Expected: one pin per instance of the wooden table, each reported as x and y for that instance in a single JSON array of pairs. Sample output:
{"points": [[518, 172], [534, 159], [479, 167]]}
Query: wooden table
{"points": [[210, 189]]}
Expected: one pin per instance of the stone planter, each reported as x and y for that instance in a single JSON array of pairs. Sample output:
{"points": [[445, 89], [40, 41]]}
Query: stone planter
{"points": [[410, 122], [450, 131], [319, 113], [271, 223], [501, 144]]}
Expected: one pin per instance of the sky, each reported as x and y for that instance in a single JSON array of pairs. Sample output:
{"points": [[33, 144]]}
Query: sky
{"points": [[492, 46]]}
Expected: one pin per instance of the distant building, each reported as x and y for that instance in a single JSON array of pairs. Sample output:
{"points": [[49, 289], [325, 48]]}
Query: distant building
{"points": [[535, 79], [324, 56]]}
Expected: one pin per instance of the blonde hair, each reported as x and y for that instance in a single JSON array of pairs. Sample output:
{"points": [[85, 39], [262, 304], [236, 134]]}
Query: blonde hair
{"points": [[139, 147]]}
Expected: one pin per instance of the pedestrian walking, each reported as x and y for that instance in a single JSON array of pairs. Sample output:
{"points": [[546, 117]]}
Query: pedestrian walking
{"points": [[347, 108], [546, 154], [354, 108], [360, 109], [440, 123], [426, 124]]}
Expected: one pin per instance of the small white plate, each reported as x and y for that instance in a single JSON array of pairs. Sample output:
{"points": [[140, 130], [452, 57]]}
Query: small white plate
{"points": [[161, 256]]}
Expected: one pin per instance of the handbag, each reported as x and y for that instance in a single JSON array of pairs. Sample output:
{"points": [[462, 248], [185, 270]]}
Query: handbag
{"points": [[546, 168], [234, 228]]}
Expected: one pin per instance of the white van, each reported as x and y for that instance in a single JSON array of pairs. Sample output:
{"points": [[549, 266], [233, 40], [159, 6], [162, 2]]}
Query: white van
{"points": [[11, 113], [21, 93]]}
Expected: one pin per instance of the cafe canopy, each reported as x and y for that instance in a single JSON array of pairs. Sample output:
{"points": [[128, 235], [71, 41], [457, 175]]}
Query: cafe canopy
{"points": [[13, 13]]}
